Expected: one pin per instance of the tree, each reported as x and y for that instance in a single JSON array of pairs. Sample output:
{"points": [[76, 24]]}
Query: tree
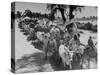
{"points": [[73, 8], [88, 26], [27, 13], [54, 7], [18, 15]]}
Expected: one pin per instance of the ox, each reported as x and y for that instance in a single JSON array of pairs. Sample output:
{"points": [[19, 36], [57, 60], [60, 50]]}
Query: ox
{"points": [[66, 56]]}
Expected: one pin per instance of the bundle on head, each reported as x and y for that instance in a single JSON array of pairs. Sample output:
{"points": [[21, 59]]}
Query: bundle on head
{"points": [[69, 27]]}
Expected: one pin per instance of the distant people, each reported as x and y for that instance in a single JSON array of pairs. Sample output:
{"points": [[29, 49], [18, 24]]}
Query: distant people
{"points": [[45, 44], [74, 28], [75, 46], [55, 32], [40, 35], [52, 31], [66, 38], [71, 28], [91, 51], [52, 46], [57, 36], [90, 42], [74, 43]]}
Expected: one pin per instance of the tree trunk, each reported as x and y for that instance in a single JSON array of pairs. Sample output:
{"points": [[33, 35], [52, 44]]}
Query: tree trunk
{"points": [[62, 14]]}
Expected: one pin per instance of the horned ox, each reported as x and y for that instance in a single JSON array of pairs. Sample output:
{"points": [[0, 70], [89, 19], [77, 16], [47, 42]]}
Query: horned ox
{"points": [[66, 56]]}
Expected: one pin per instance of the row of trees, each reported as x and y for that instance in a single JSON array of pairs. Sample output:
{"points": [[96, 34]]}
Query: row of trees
{"points": [[87, 26], [53, 10], [30, 14]]}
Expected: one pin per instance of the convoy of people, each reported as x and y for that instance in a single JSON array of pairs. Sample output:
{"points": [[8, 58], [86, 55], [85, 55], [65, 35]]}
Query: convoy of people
{"points": [[64, 44]]}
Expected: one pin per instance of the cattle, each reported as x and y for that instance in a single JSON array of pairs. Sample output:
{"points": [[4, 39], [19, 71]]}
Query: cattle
{"points": [[66, 55], [88, 55]]}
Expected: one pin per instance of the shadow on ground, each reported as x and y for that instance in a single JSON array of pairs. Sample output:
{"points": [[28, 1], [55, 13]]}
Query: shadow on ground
{"points": [[37, 61]]}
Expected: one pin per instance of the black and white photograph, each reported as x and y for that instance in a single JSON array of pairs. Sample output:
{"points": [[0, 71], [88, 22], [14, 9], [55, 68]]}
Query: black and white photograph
{"points": [[48, 37]]}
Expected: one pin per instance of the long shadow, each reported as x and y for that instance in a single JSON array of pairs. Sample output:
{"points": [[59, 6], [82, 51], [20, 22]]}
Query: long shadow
{"points": [[36, 59], [40, 60], [76, 63], [56, 63], [38, 45]]}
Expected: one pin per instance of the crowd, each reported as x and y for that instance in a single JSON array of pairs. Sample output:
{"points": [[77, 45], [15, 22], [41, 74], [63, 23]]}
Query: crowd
{"points": [[63, 44]]}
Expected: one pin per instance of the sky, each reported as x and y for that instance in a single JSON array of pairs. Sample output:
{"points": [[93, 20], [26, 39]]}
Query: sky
{"points": [[34, 7], [87, 11], [41, 7]]}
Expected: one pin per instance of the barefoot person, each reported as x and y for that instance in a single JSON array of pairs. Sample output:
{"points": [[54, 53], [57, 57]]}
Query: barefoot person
{"points": [[52, 47], [45, 43]]}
